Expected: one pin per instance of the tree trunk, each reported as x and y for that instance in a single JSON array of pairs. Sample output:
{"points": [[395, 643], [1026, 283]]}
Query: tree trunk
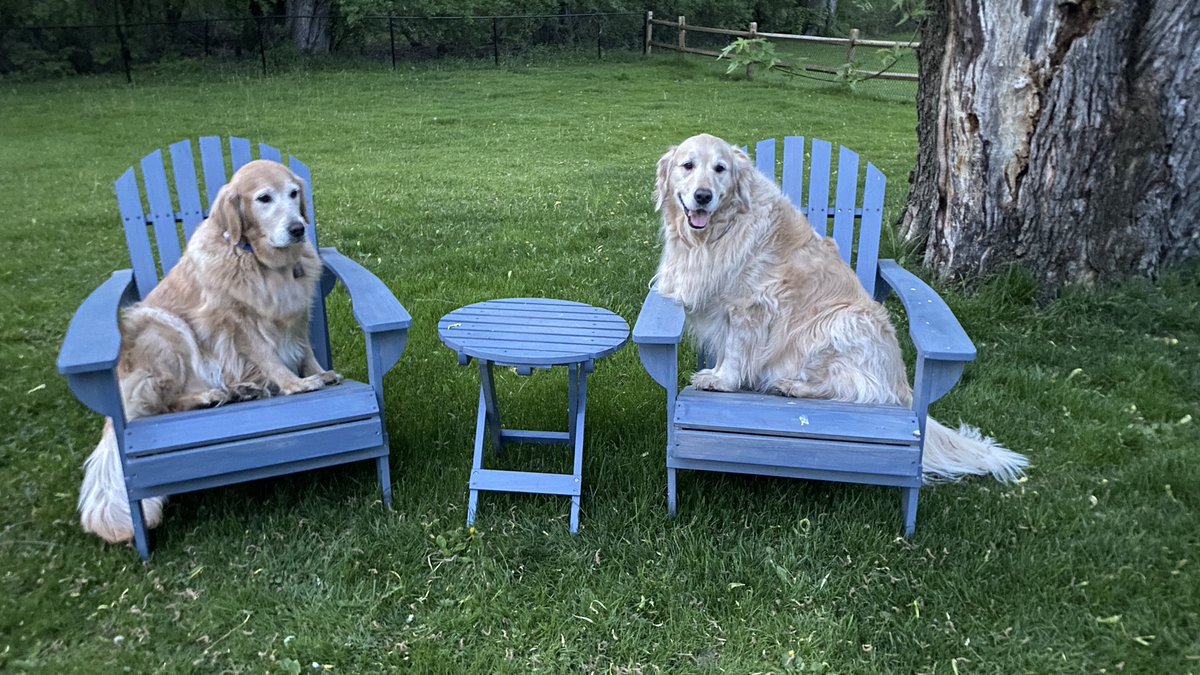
{"points": [[1063, 136], [308, 23], [830, 15]]}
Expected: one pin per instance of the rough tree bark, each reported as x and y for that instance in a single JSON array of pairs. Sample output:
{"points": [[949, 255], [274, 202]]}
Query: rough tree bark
{"points": [[308, 24], [1060, 134]]}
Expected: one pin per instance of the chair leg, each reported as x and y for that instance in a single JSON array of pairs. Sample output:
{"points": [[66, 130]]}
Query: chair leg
{"points": [[382, 467], [672, 501], [141, 535], [908, 504]]}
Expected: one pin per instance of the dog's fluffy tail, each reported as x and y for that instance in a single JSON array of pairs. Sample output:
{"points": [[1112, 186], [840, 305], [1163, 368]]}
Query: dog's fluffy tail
{"points": [[951, 455], [103, 502]]}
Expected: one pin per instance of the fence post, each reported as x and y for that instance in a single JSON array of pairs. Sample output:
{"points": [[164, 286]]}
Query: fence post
{"points": [[206, 49], [392, 36], [262, 48], [599, 33], [496, 40], [649, 33], [753, 36], [853, 39], [682, 34]]}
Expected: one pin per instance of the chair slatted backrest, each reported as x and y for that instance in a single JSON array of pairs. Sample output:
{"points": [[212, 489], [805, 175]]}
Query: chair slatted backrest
{"points": [[157, 230], [849, 208]]}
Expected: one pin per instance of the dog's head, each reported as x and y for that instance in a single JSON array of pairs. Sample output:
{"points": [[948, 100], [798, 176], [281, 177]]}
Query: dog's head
{"points": [[700, 177], [262, 206]]}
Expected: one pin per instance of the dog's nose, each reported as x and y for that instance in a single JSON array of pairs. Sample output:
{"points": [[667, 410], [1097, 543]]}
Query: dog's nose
{"points": [[703, 196], [296, 229]]}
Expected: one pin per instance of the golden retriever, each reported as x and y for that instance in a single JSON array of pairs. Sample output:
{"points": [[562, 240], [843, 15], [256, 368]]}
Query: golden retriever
{"points": [[228, 323], [776, 308]]}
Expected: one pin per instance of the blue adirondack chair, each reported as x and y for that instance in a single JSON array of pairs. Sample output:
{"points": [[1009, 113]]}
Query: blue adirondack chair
{"points": [[182, 452], [753, 433]]}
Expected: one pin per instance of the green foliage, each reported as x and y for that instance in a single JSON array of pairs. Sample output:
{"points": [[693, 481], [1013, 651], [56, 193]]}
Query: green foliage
{"points": [[911, 11], [745, 53], [355, 28]]}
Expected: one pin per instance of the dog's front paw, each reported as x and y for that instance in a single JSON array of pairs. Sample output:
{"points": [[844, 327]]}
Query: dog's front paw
{"points": [[709, 380], [303, 384], [248, 391], [331, 377]]}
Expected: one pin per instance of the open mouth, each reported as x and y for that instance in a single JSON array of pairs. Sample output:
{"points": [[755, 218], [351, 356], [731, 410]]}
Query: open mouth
{"points": [[697, 218]]}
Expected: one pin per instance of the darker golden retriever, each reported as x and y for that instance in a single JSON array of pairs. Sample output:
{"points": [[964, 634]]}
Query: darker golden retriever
{"points": [[228, 323]]}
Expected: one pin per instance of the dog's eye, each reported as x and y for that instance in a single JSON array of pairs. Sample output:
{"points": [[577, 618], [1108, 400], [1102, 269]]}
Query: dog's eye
{"points": [[264, 199], [720, 168], [293, 193], [688, 166]]}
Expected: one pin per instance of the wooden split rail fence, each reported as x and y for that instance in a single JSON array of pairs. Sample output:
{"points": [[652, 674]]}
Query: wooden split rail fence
{"points": [[851, 44]]}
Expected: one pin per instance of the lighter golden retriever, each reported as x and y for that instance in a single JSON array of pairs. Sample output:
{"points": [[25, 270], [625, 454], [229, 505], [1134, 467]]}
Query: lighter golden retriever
{"points": [[775, 306], [228, 323]]}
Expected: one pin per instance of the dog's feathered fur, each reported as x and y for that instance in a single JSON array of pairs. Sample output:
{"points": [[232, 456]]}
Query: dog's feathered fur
{"points": [[776, 308], [228, 323]]}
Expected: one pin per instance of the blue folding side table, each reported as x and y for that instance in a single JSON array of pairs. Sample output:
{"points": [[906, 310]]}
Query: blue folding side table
{"points": [[528, 333]]}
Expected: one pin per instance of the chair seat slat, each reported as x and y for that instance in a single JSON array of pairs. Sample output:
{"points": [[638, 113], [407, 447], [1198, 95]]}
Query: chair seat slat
{"points": [[805, 453], [236, 455], [771, 415], [332, 405]]}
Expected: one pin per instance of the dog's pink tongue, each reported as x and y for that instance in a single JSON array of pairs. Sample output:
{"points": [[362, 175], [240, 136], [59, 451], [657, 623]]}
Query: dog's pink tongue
{"points": [[698, 219]]}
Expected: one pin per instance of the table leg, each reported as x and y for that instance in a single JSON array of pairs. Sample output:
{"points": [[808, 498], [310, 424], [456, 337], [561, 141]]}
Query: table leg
{"points": [[477, 460], [487, 386], [577, 376]]}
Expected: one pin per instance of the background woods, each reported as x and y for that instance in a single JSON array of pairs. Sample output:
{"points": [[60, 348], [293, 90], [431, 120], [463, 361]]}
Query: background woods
{"points": [[64, 37]]}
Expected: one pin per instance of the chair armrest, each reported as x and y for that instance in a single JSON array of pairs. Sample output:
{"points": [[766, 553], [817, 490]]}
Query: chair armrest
{"points": [[935, 331], [382, 318], [375, 307], [660, 322], [657, 334], [92, 346], [93, 340]]}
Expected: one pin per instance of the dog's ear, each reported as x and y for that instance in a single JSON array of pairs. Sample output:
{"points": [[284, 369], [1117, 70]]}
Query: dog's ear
{"points": [[660, 184], [303, 200], [742, 168], [227, 213]]}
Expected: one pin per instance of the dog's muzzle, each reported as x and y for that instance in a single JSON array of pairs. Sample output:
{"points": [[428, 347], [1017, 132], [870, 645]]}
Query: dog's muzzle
{"points": [[697, 218]]}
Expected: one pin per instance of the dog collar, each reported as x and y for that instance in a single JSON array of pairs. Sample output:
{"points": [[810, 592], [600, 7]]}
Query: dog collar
{"points": [[243, 244]]}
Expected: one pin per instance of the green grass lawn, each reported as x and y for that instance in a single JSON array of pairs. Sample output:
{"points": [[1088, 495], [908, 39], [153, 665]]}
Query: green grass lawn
{"points": [[458, 184]]}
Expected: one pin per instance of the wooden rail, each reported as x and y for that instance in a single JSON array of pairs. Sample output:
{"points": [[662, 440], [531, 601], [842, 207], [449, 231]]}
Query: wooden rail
{"points": [[851, 44]]}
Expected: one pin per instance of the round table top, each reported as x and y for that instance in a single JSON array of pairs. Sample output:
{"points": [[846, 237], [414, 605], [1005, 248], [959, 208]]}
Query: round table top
{"points": [[533, 332]]}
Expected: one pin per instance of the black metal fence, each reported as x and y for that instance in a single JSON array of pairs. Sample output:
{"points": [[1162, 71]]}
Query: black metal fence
{"points": [[39, 51]]}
